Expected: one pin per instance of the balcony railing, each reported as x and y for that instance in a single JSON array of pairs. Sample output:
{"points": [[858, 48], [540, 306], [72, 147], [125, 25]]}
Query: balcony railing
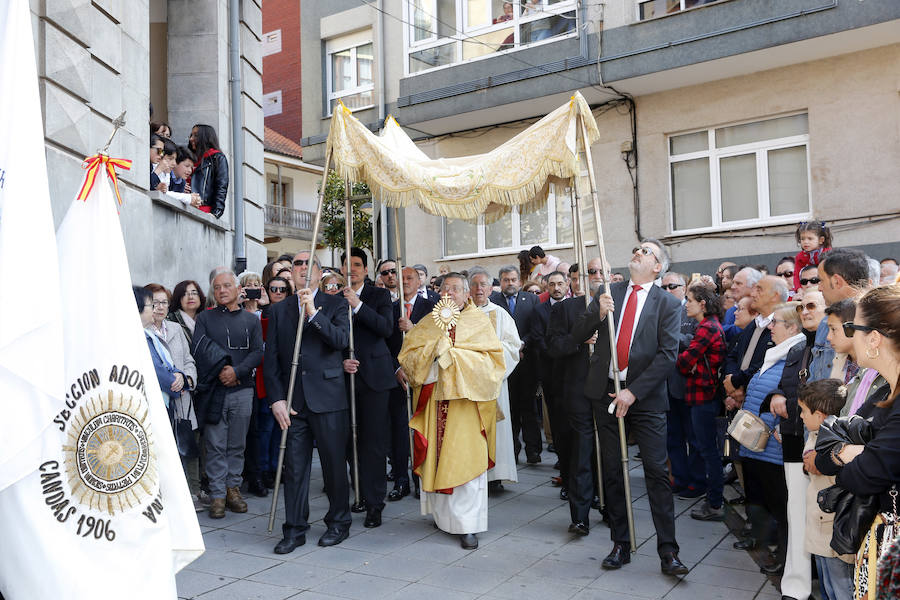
{"points": [[283, 216]]}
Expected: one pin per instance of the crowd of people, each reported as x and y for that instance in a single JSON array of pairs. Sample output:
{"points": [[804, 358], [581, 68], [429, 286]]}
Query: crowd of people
{"points": [[805, 357]]}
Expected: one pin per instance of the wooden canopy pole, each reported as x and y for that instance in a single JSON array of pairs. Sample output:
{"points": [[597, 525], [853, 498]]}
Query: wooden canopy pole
{"points": [[623, 440], [295, 360], [348, 235]]}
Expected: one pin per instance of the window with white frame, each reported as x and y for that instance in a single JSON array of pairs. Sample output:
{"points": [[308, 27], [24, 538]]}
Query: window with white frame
{"points": [[740, 175], [550, 225], [446, 32], [350, 71], [648, 9]]}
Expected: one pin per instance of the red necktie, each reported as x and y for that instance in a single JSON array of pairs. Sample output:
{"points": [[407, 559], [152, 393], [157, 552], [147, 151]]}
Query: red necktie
{"points": [[624, 341], [409, 310]]}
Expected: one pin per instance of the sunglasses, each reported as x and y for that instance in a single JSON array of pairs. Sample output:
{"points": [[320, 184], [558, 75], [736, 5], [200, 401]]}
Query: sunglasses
{"points": [[387, 272], [278, 290], [301, 261], [810, 306], [671, 286], [645, 251], [332, 286], [850, 328], [594, 271], [785, 274], [159, 151], [813, 280]]}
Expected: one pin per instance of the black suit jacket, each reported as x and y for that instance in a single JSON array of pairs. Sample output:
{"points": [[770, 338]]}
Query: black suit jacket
{"points": [[548, 367], [654, 348], [739, 378], [421, 307], [526, 302], [676, 381], [432, 295], [372, 326], [568, 350], [320, 368]]}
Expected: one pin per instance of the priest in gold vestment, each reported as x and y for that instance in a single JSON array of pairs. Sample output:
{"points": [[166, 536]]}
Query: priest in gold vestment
{"points": [[456, 367]]}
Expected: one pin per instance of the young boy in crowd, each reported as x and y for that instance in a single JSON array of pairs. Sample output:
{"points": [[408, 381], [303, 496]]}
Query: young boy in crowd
{"points": [[819, 400]]}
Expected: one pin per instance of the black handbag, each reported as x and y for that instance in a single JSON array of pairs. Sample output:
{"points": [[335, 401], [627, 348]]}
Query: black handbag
{"points": [[853, 516], [184, 433]]}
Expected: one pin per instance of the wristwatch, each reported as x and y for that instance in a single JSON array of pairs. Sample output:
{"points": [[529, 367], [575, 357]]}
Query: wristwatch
{"points": [[836, 453]]}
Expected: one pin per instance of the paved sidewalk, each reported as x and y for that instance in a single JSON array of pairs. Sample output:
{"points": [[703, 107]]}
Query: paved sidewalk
{"points": [[526, 554]]}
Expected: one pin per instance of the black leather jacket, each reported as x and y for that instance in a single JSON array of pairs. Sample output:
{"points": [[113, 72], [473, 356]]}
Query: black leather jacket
{"points": [[210, 180]]}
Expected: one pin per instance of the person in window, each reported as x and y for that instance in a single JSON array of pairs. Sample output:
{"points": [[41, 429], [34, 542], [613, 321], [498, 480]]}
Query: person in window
{"points": [[507, 13], [210, 178]]}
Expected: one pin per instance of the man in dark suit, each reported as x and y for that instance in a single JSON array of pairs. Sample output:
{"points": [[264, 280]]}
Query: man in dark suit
{"points": [[424, 290], [688, 469], [372, 326], [523, 380], [318, 407], [550, 373], [646, 344], [406, 314]]}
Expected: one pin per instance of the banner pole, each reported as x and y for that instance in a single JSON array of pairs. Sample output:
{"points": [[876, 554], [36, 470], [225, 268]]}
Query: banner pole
{"points": [[348, 236], [295, 360], [623, 439]]}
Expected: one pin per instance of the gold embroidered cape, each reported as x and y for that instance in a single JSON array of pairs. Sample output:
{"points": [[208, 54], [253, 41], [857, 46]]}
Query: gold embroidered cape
{"points": [[462, 402]]}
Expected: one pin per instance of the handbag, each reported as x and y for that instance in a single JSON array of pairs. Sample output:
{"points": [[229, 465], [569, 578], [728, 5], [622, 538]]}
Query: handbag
{"points": [[184, 433], [749, 431]]}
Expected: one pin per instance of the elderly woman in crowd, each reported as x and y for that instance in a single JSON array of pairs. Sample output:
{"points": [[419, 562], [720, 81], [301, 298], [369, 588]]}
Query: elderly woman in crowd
{"points": [[700, 363], [872, 469], [252, 292], [764, 478], [187, 300]]}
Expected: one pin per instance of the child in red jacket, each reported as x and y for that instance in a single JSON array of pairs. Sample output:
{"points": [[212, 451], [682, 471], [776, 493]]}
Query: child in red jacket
{"points": [[814, 239]]}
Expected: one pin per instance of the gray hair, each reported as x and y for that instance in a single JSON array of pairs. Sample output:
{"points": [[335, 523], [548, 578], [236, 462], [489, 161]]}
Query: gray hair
{"points": [[781, 288], [664, 259], [221, 271], [477, 271], [244, 277], [753, 276], [453, 275], [677, 276], [216, 272], [513, 268], [874, 271]]}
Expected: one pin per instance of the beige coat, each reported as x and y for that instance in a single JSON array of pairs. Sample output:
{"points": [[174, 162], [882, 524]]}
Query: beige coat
{"points": [[819, 525], [177, 344]]}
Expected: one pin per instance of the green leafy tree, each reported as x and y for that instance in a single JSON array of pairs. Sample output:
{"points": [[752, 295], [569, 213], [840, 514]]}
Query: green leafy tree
{"points": [[333, 215]]}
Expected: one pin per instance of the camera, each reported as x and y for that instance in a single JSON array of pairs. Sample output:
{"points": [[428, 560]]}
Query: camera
{"points": [[253, 294]]}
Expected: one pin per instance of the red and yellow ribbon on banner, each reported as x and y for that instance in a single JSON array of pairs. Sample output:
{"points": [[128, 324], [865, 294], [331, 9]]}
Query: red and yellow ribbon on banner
{"points": [[93, 164]]}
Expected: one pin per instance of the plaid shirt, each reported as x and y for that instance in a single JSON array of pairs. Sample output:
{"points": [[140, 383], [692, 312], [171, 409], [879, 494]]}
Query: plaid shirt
{"points": [[701, 361]]}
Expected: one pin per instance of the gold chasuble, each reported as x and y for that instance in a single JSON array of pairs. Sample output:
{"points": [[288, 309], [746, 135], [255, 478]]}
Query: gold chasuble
{"points": [[456, 414]]}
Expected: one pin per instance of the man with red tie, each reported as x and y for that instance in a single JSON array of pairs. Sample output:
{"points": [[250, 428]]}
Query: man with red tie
{"points": [[646, 321]]}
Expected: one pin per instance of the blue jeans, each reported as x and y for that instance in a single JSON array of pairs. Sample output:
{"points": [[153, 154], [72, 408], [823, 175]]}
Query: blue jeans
{"points": [[687, 468], [703, 420], [269, 437], [835, 578]]}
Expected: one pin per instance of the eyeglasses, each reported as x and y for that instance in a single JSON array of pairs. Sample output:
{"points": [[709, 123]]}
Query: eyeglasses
{"points": [[810, 306], [387, 272], [785, 274], [192, 294], [595, 272], [782, 321], [160, 303], [812, 280], [671, 286], [645, 251], [278, 290], [850, 328], [301, 261], [332, 286], [159, 151]]}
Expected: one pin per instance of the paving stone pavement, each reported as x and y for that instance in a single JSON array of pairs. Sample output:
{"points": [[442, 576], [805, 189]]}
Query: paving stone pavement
{"points": [[525, 554]]}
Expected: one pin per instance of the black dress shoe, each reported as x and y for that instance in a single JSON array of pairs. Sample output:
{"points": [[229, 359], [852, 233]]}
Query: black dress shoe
{"points": [[373, 518], [595, 503], [333, 536], [564, 494], [469, 541], [670, 565], [533, 459], [495, 487], [747, 543], [579, 527], [358, 507], [257, 488], [398, 493], [773, 567], [619, 556], [289, 544]]}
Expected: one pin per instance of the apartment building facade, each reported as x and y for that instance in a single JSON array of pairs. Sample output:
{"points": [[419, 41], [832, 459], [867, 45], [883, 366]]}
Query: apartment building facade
{"points": [[723, 123]]}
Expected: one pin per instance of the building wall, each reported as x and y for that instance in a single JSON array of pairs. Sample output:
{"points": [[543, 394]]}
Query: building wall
{"points": [[93, 63], [854, 130], [281, 70]]}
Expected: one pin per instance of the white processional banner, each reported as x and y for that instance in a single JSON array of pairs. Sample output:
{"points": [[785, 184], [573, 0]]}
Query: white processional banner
{"points": [[31, 347]]}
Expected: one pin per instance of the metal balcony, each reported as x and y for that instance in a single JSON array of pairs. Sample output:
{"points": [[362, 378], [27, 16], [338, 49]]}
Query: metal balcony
{"points": [[286, 222]]}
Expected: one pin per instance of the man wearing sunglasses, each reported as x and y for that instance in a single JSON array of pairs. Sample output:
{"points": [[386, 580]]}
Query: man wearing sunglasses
{"points": [[646, 326], [318, 410], [809, 280], [372, 326], [386, 271]]}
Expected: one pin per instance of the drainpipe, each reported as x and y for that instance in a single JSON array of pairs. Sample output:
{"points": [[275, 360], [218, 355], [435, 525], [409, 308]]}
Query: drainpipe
{"points": [[237, 130]]}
